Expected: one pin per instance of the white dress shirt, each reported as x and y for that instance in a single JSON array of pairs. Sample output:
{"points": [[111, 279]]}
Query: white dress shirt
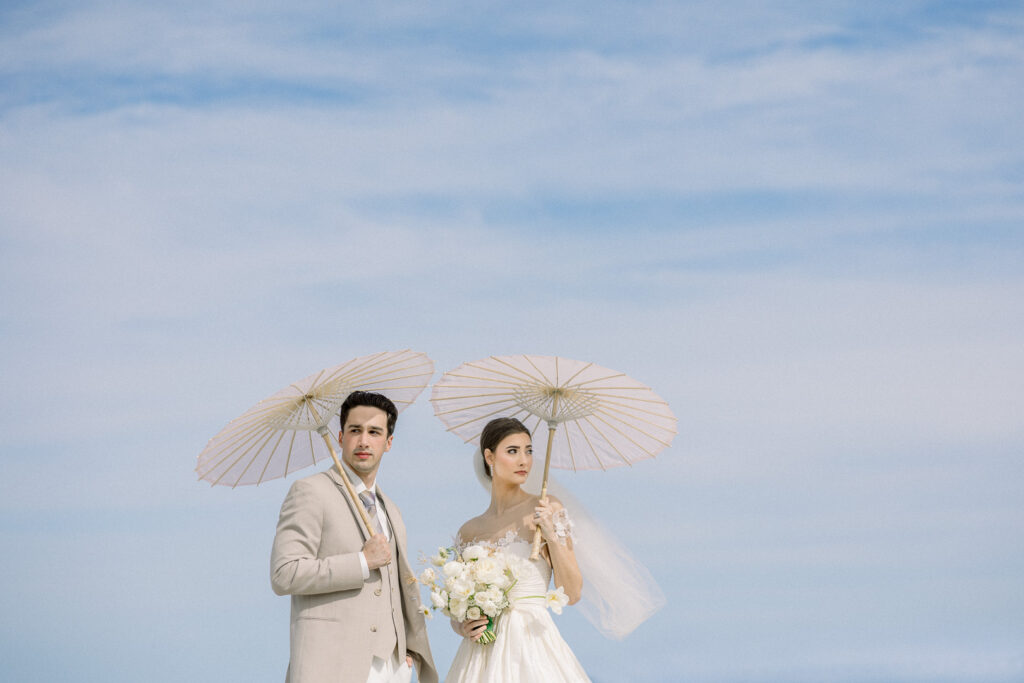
{"points": [[359, 487], [390, 670]]}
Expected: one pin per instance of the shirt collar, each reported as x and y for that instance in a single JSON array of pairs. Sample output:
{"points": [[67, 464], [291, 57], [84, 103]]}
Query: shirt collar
{"points": [[357, 481]]}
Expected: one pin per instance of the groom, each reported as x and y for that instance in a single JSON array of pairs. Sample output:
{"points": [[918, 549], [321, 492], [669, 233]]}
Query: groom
{"points": [[355, 607]]}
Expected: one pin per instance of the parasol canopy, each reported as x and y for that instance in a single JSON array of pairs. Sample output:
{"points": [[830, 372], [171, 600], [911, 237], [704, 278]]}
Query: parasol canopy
{"points": [[605, 419], [289, 431]]}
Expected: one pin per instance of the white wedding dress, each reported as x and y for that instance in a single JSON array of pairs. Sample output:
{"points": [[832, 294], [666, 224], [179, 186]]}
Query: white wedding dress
{"points": [[528, 648]]}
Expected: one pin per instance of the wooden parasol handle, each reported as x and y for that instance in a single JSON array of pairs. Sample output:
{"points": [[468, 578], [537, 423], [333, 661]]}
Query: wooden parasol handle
{"points": [[348, 484], [543, 489], [324, 432]]}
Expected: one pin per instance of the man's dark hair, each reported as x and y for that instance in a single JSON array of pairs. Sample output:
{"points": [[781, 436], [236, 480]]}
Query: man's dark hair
{"points": [[368, 398]]}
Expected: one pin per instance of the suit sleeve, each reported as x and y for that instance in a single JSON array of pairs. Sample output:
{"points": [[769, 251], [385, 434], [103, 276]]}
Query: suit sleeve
{"points": [[295, 568]]}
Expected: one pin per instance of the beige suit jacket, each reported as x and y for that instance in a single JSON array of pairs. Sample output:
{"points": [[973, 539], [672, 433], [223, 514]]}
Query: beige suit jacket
{"points": [[339, 621]]}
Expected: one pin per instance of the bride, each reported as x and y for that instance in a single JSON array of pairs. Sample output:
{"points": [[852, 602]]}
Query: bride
{"points": [[528, 647]]}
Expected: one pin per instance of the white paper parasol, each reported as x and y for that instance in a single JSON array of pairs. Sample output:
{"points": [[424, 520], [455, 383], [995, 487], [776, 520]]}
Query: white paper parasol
{"points": [[596, 418], [298, 426]]}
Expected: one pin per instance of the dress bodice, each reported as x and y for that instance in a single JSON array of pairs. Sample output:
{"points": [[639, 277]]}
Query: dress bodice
{"points": [[532, 576]]}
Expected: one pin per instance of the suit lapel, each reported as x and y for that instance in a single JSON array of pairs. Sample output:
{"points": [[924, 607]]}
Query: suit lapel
{"points": [[394, 518], [343, 492]]}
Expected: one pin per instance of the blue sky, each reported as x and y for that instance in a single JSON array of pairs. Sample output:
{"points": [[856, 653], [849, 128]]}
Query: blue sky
{"points": [[800, 223]]}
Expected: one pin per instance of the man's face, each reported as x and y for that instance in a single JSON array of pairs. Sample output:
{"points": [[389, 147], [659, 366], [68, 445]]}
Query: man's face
{"points": [[364, 440]]}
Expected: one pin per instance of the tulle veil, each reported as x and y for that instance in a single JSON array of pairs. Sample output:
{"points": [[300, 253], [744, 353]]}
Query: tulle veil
{"points": [[619, 592]]}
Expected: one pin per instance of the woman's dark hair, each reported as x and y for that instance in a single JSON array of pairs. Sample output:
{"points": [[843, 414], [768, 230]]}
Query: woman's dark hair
{"points": [[495, 432], [368, 398]]}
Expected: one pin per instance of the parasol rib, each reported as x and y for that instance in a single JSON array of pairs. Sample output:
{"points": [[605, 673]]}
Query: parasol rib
{"points": [[593, 449], [251, 461], [572, 454], [455, 428], [476, 405], [627, 437], [270, 458], [578, 373], [246, 446], [631, 426], [291, 450], [514, 381], [357, 377], [466, 397], [609, 442], [540, 372], [518, 371]]}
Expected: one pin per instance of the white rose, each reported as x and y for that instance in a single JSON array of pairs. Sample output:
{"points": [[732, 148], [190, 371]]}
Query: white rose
{"points": [[438, 599], [487, 604], [487, 607], [473, 613], [473, 552], [458, 609], [491, 601], [453, 568], [460, 589], [488, 571]]}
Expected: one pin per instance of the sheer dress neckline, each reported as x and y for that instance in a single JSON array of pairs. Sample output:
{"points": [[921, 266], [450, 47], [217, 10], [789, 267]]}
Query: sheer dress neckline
{"points": [[511, 536]]}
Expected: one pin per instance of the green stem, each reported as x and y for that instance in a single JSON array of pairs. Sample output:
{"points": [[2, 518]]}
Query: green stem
{"points": [[488, 636]]}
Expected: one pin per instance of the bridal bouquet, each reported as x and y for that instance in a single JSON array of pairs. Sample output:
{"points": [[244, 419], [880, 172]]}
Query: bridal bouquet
{"points": [[474, 583], [471, 584]]}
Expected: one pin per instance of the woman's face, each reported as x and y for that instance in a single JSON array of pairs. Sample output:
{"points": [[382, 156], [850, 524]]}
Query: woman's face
{"points": [[512, 459]]}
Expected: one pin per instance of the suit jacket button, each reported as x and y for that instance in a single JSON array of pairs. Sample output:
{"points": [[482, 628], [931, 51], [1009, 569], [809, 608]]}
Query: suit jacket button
{"points": [[376, 592], [373, 629]]}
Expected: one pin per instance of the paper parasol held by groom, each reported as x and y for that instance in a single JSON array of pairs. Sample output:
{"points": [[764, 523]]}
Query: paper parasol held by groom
{"points": [[297, 426]]}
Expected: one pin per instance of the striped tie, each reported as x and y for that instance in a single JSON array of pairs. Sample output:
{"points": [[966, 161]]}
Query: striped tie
{"points": [[370, 503]]}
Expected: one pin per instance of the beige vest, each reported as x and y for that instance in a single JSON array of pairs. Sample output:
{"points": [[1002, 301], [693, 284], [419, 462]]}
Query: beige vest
{"points": [[387, 586]]}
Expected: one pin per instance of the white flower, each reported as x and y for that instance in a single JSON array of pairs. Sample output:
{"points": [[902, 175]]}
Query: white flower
{"points": [[489, 571], [428, 576], [458, 609], [506, 580], [473, 613], [460, 589], [454, 568], [491, 601], [440, 558], [555, 600], [425, 611], [438, 599], [473, 552]]}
